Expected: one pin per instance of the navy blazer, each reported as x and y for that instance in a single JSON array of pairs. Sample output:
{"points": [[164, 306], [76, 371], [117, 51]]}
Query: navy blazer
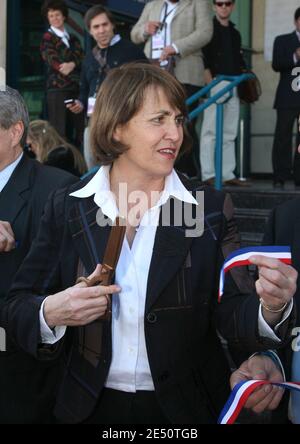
{"points": [[283, 62], [188, 366]]}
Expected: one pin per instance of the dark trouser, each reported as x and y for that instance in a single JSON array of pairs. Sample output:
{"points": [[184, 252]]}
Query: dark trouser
{"points": [[189, 163], [116, 407], [66, 123], [283, 146]]}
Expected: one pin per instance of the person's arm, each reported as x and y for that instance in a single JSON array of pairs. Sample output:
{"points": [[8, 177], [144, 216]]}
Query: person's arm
{"points": [[7, 237], [275, 287], [202, 33], [261, 367], [238, 312], [75, 60], [283, 56], [242, 62], [39, 281], [49, 53], [138, 33], [208, 78], [77, 52]]}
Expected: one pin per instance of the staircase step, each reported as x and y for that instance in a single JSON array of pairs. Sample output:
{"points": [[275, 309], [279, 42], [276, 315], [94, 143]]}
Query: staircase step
{"points": [[253, 206]]}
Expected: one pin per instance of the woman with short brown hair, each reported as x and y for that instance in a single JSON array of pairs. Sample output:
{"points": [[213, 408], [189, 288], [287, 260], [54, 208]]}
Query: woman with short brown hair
{"points": [[157, 359]]}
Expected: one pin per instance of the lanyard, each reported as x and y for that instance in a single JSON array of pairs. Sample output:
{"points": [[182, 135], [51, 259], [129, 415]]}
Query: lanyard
{"points": [[167, 13]]}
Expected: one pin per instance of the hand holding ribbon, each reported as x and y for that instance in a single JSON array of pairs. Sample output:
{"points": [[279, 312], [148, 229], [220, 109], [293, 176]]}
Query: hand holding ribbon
{"points": [[257, 394]]}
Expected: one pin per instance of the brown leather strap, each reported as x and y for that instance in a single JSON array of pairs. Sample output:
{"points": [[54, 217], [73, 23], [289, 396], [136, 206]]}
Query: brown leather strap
{"points": [[110, 261]]}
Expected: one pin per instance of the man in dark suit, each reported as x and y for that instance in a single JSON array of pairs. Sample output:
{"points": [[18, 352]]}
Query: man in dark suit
{"points": [[159, 359], [286, 57], [283, 229], [26, 386]]}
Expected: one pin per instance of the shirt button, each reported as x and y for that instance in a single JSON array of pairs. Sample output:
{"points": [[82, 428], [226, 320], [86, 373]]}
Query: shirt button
{"points": [[151, 318]]}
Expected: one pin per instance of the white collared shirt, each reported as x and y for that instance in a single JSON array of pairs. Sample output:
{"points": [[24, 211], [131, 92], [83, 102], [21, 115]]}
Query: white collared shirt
{"points": [[129, 370], [6, 174], [64, 35], [116, 38]]}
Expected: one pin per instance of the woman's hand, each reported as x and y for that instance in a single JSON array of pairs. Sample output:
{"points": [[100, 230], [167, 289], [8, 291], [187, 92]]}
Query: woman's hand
{"points": [[79, 305], [66, 68]]}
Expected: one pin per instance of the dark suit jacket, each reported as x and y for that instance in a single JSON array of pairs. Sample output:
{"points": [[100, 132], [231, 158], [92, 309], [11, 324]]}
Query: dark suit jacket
{"points": [[283, 62], [24, 397], [214, 51], [284, 229], [187, 363]]}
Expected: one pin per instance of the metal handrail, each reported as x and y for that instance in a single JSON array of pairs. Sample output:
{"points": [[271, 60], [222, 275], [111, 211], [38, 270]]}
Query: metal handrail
{"points": [[234, 82]]}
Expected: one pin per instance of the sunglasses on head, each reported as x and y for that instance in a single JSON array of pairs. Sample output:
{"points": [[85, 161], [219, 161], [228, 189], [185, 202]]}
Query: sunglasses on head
{"points": [[220, 4]]}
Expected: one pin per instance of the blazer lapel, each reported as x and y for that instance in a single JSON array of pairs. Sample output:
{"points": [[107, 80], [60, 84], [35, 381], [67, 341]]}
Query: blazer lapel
{"points": [[13, 197], [170, 250], [157, 9], [89, 238], [182, 5]]}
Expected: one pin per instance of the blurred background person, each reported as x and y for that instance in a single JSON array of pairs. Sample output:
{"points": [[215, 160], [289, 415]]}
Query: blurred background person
{"points": [[286, 57], [51, 149], [63, 55], [111, 51], [27, 386], [178, 29], [222, 55]]}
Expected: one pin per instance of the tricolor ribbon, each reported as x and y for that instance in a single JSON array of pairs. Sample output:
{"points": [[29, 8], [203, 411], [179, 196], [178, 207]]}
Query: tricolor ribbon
{"points": [[241, 257], [241, 393]]}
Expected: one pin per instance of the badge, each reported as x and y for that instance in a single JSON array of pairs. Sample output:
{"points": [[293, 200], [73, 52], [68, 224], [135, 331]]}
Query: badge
{"points": [[91, 106]]}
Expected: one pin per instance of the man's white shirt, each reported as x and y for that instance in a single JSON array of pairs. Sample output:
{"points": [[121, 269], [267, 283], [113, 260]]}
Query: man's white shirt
{"points": [[6, 174]]}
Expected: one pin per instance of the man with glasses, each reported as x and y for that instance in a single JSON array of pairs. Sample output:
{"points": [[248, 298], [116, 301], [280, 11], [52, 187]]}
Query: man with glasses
{"points": [[222, 55]]}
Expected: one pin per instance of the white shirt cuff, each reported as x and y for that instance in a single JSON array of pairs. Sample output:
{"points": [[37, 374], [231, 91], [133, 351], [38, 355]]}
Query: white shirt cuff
{"points": [[175, 47], [265, 330], [276, 358], [295, 59], [50, 336]]}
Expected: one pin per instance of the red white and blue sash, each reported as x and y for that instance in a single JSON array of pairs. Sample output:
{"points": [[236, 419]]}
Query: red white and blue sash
{"points": [[241, 393], [241, 257]]}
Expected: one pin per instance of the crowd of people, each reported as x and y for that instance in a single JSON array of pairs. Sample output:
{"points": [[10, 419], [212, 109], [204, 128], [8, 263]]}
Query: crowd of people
{"points": [[97, 334]]}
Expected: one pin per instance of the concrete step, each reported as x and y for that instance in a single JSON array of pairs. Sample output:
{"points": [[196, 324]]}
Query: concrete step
{"points": [[253, 206]]}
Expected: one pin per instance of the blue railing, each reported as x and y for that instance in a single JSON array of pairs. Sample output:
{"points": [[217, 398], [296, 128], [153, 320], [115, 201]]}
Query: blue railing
{"points": [[228, 89]]}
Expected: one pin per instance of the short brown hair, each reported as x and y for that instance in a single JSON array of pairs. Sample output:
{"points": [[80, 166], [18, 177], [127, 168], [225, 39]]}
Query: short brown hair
{"points": [[56, 5], [121, 97], [94, 11]]}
